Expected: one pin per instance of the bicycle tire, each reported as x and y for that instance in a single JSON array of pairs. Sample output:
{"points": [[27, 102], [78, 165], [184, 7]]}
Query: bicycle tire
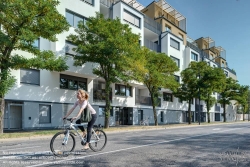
{"points": [[58, 139], [94, 145]]}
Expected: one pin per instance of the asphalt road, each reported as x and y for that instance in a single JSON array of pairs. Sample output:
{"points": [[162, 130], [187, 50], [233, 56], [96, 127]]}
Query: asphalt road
{"points": [[222, 145]]}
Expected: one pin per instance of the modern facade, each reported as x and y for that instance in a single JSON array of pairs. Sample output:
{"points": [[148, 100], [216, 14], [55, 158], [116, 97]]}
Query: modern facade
{"points": [[41, 98]]}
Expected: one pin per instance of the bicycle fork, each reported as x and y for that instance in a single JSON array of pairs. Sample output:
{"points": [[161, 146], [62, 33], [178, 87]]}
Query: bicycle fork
{"points": [[66, 137]]}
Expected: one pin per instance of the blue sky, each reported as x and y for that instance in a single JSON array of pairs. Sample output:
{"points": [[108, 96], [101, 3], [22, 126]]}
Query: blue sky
{"points": [[227, 22]]}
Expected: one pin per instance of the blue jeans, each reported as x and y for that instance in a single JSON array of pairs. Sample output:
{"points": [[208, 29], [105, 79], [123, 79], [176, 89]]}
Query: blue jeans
{"points": [[90, 126]]}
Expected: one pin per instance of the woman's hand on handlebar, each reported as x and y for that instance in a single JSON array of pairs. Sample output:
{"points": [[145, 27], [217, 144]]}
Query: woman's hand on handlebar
{"points": [[73, 118]]}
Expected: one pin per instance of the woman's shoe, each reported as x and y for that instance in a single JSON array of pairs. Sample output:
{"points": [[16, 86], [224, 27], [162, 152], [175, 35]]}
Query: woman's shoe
{"points": [[85, 147]]}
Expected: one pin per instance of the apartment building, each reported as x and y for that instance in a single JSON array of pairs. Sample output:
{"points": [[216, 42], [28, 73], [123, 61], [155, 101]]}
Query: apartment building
{"points": [[41, 98]]}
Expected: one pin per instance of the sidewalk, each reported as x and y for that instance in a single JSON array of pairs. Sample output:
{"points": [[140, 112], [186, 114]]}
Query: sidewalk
{"points": [[48, 134]]}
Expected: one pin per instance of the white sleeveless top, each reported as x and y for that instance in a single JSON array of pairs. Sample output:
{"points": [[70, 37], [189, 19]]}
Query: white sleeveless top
{"points": [[84, 105]]}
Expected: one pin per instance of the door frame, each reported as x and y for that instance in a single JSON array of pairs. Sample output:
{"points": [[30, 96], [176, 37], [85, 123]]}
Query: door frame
{"points": [[13, 104]]}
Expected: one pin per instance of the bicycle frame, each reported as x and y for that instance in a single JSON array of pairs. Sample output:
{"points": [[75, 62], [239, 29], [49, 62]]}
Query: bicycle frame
{"points": [[72, 126]]}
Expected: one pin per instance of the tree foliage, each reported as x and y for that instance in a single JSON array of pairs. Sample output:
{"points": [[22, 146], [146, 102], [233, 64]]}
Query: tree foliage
{"points": [[111, 45], [23, 22], [228, 93], [211, 80], [160, 70], [189, 86]]}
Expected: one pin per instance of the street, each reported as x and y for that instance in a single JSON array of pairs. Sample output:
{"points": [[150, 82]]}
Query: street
{"points": [[222, 145]]}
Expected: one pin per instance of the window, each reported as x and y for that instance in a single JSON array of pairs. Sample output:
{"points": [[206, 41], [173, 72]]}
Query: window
{"points": [[175, 44], [123, 90], [73, 19], [179, 100], [72, 83], [30, 76], [177, 61], [194, 56], [44, 114], [91, 2], [101, 112], [162, 116], [36, 43], [167, 28], [226, 73], [129, 17], [177, 78], [167, 97]]}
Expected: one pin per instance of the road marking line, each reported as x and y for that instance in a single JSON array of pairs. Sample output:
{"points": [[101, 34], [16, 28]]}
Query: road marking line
{"points": [[146, 145], [217, 129], [20, 148]]}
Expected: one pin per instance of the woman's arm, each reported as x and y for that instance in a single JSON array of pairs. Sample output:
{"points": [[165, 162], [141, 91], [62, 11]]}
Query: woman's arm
{"points": [[84, 105], [70, 111]]}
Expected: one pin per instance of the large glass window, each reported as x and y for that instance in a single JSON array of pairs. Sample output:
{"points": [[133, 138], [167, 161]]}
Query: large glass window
{"points": [[194, 56], [167, 97], [175, 44], [123, 90], [73, 18], [177, 61], [72, 83], [30, 76], [129, 17], [101, 112], [177, 78]]}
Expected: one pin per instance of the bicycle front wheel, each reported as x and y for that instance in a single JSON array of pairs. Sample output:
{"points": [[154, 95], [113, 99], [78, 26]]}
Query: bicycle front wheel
{"points": [[98, 141], [59, 147]]}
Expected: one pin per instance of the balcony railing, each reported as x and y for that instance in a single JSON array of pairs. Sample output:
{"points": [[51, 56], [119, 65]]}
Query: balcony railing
{"points": [[145, 100], [194, 47], [152, 25], [107, 3], [151, 45]]}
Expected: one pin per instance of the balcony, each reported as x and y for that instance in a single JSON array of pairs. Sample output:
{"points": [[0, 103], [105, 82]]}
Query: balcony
{"points": [[193, 46], [106, 3], [152, 25], [151, 45], [145, 100]]}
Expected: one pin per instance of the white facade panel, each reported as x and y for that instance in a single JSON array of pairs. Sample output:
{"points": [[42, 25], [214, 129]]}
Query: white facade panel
{"points": [[118, 12]]}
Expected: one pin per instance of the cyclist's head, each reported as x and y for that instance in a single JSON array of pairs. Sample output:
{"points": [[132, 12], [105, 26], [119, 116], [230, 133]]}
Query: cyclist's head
{"points": [[82, 95]]}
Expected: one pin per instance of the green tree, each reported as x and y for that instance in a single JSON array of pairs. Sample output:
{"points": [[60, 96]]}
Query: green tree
{"points": [[242, 98], [159, 73], [111, 45], [189, 87], [22, 23], [211, 80], [228, 93]]}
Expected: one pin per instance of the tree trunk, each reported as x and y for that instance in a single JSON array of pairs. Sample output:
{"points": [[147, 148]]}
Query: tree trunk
{"points": [[189, 112], [107, 108], [224, 112], [208, 113], [2, 114], [154, 110]]}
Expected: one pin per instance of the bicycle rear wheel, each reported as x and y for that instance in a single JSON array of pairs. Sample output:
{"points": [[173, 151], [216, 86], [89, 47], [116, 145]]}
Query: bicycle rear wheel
{"points": [[58, 147], [98, 144]]}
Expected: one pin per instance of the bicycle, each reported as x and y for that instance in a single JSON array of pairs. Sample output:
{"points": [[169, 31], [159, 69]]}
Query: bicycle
{"points": [[144, 122], [66, 139]]}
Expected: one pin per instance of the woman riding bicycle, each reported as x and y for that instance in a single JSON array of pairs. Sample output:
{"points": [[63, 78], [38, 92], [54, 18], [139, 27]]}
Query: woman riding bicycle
{"points": [[82, 102]]}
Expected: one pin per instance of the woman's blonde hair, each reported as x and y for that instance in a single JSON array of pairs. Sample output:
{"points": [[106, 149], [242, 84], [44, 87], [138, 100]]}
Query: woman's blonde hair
{"points": [[84, 94]]}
